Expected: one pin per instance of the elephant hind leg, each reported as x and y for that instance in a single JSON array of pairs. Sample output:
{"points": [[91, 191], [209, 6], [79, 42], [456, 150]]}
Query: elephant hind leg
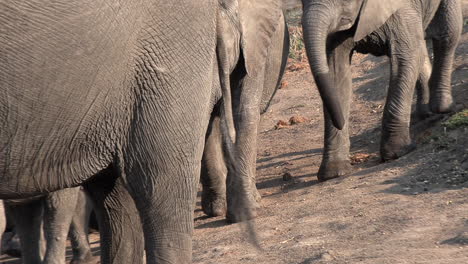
{"points": [[119, 224], [164, 190], [445, 29]]}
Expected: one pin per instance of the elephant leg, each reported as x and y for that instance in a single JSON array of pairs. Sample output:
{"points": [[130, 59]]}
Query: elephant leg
{"points": [[164, 189], [335, 159], [405, 61], [2, 223], [162, 166], [119, 224], [422, 86], [446, 29], [28, 219], [247, 117], [213, 171], [79, 231], [58, 212]]}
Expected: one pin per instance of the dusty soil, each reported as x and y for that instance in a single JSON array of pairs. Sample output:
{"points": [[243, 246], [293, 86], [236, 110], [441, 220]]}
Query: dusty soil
{"points": [[412, 210]]}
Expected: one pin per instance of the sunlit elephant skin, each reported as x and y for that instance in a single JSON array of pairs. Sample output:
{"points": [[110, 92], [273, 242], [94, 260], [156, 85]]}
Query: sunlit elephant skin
{"points": [[335, 29]]}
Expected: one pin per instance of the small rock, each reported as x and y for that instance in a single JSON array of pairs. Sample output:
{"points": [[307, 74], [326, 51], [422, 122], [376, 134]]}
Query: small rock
{"points": [[281, 124], [297, 66], [284, 84], [359, 158], [294, 120], [327, 257]]}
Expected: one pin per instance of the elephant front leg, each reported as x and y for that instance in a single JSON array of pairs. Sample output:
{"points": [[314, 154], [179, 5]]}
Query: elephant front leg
{"points": [[405, 63], [335, 160], [59, 208], [214, 172]]}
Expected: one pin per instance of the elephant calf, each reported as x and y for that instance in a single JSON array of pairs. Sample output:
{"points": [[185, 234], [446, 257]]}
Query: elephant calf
{"points": [[61, 214], [334, 29]]}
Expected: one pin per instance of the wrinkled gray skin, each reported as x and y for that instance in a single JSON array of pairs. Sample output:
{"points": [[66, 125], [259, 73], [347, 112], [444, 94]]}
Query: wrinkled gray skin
{"points": [[214, 169], [334, 29], [62, 214], [117, 97]]}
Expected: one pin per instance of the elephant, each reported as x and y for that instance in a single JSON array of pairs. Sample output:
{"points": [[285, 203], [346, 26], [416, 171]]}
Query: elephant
{"points": [[335, 29], [2, 223], [117, 97], [213, 169], [61, 214]]}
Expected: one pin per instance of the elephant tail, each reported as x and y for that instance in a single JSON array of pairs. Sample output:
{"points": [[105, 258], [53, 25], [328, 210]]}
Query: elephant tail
{"points": [[242, 208]]}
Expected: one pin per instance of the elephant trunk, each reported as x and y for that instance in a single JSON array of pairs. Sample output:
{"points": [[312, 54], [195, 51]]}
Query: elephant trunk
{"points": [[316, 23]]}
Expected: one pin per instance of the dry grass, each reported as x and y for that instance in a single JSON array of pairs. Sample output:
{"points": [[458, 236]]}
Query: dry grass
{"points": [[296, 51]]}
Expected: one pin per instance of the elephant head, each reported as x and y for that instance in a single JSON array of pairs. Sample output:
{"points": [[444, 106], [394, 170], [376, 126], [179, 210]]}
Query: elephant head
{"points": [[323, 18]]}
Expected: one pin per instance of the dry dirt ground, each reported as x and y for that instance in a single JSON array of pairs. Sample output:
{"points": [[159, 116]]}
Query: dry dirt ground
{"points": [[412, 210]]}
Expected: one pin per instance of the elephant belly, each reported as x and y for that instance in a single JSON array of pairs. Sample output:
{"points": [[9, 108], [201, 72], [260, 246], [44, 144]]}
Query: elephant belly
{"points": [[64, 80]]}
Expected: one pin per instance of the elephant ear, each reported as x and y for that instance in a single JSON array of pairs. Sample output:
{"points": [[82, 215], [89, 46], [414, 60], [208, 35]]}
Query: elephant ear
{"points": [[374, 13], [259, 20]]}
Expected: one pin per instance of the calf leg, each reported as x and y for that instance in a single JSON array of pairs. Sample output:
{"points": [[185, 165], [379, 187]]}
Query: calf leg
{"points": [[59, 208], [79, 231]]}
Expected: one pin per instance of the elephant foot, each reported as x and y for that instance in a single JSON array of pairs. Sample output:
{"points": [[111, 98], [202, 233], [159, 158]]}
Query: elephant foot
{"points": [[394, 150], [89, 259], [13, 246], [442, 105], [213, 205], [333, 169], [236, 214], [237, 218]]}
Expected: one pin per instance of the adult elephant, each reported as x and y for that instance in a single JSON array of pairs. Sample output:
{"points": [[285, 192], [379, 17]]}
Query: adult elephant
{"points": [[261, 89], [61, 214], [334, 29], [118, 96]]}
